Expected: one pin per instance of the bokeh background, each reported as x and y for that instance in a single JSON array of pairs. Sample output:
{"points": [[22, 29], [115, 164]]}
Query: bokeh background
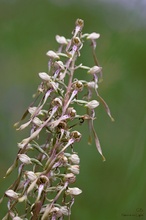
{"points": [[27, 31]]}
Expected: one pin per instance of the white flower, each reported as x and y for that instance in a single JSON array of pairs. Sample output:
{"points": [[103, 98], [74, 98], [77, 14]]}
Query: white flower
{"points": [[44, 76], [76, 135], [57, 101], [52, 54], [74, 158], [60, 64], [24, 158], [21, 145], [92, 85], [74, 169], [31, 175], [17, 218], [32, 110], [65, 210], [56, 212], [10, 193], [70, 178], [93, 36], [37, 121], [92, 104], [71, 111], [73, 191], [95, 69], [61, 39]]}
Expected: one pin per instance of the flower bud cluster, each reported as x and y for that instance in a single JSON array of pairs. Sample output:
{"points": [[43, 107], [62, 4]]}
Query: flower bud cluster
{"points": [[46, 161]]}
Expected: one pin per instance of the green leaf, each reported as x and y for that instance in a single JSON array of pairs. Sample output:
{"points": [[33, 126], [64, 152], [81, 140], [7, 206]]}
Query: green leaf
{"points": [[37, 162], [11, 168]]}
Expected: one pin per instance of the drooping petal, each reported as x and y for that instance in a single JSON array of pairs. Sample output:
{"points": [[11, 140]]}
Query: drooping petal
{"points": [[97, 142], [105, 105]]}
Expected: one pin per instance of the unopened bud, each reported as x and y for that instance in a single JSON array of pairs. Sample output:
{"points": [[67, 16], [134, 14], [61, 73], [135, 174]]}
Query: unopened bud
{"points": [[60, 64], [73, 191], [74, 158], [95, 70], [10, 193], [74, 169], [61, 39], [70, 178], [93, 36], [24, 158], [52, 54], [92, 104], [92, 85], [31, 175], [44, 76]]}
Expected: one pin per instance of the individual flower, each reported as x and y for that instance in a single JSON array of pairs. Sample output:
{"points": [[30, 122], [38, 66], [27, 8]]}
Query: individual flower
{"points": [[57, 101], [31, 175], [76, 135], [69, 177], [79, 25], [37, 121], [55, 123], [59, 64], [62, 161], [92, 85], [77, 85], [56, 213], [71, 112], [93, 37], [65, 210], [32, 110]]}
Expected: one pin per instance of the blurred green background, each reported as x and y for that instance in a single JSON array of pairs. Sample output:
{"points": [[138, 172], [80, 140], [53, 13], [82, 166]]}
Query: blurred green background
{"points": [[27, 31]]}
